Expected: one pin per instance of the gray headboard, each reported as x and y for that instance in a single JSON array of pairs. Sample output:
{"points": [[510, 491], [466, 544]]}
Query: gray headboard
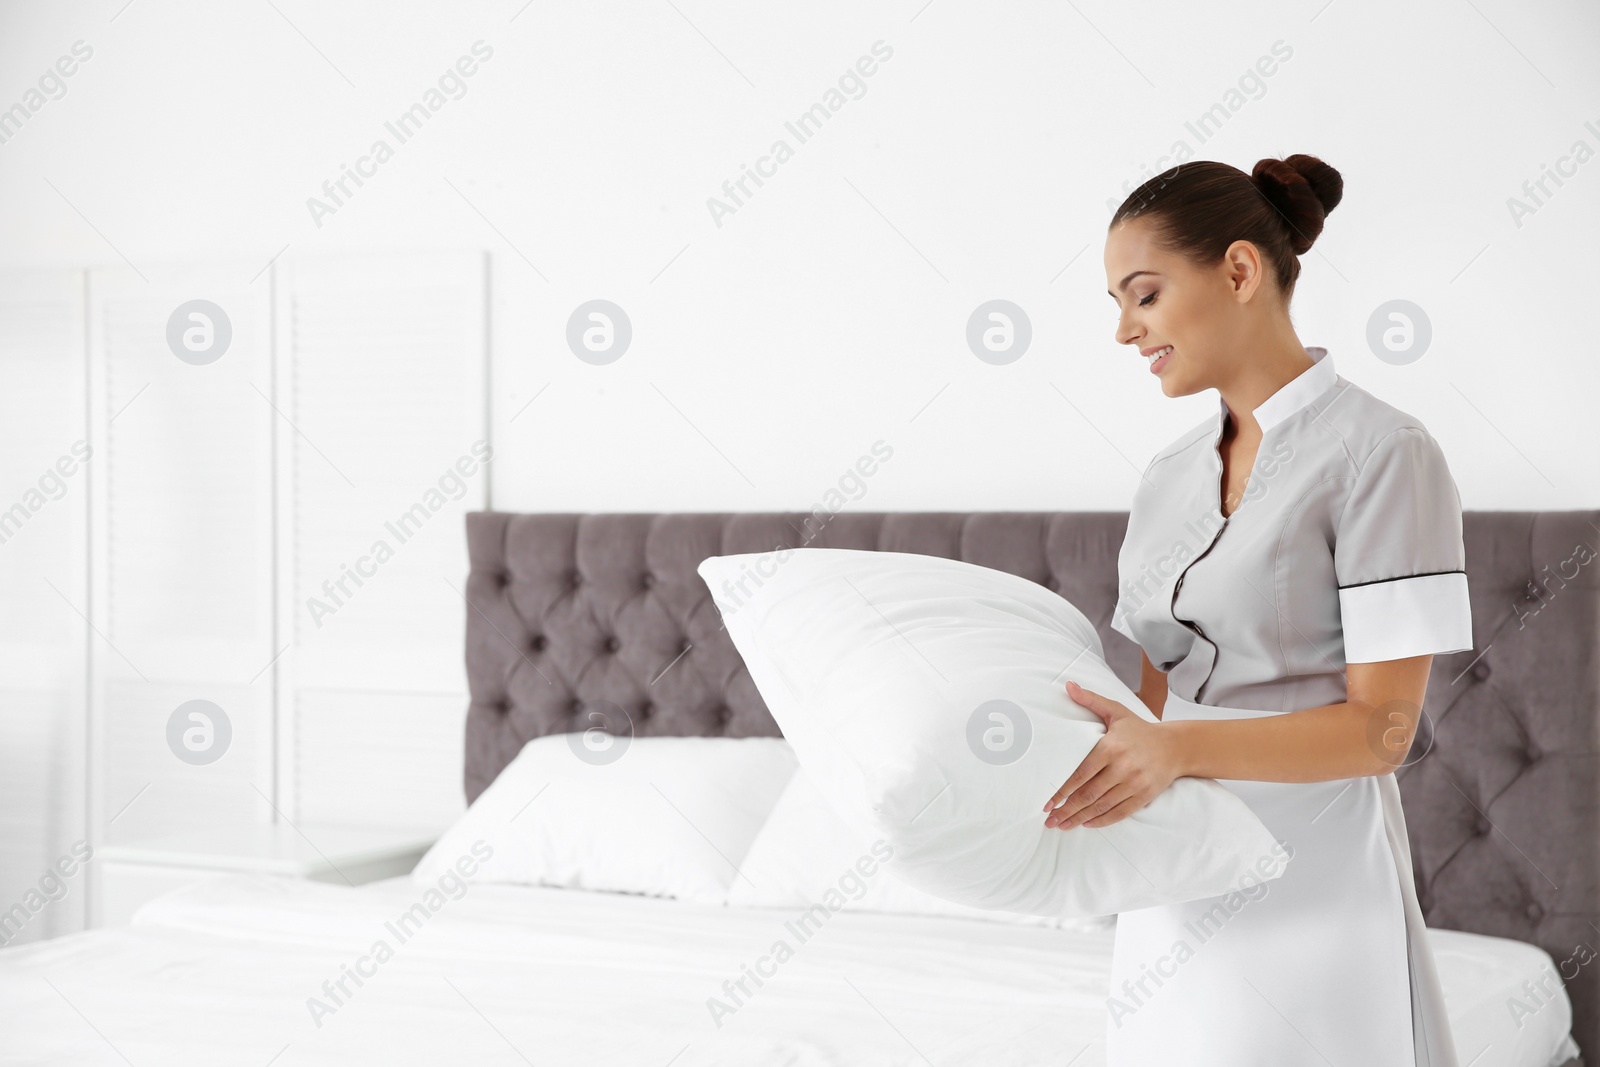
{"points": [[1503, 810]]}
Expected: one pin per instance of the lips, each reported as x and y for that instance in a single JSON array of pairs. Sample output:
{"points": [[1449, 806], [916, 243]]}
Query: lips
{"points": [[1158, 358]]}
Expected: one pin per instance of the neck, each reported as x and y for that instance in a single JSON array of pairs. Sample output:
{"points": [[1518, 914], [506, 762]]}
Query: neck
{"points": [[1278, 363]]}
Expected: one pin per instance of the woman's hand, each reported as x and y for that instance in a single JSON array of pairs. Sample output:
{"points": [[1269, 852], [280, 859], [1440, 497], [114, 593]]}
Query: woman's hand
{"points": [[1127, 768]]}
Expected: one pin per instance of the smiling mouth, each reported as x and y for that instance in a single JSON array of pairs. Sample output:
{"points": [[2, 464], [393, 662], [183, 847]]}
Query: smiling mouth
{"points": [[1158, 359]]}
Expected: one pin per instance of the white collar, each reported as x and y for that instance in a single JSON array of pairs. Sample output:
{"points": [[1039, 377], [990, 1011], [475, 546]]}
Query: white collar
{"points": [[1295, 393]]}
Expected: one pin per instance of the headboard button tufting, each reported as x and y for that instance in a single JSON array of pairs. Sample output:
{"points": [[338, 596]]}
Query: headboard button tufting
{"points": [[504, 578], [645, 709], [1484, 825], [1535, 912], [1535, 753], [503, 706], [536, 643], [612, 644], [1481, 671], [647, 580], [574, 706]]}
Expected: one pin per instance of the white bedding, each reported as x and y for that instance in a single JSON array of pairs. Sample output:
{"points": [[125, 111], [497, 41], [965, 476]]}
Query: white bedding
{"points": [[221, 972]]}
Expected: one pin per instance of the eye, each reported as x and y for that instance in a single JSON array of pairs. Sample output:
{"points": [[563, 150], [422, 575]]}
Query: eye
{"points": [[1147, 300]]}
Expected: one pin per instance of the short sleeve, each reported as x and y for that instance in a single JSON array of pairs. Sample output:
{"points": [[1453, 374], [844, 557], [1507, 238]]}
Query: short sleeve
{"points": [[1119, 621], [1129, 597], [1124, 608], [1399, 557]]}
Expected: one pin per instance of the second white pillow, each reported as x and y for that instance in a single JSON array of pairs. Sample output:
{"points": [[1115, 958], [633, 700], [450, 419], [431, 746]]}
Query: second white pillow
{"points": [[659, 816]]}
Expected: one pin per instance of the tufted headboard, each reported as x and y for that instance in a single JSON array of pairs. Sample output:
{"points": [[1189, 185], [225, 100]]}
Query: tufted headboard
{"points": [[1503, 810]]}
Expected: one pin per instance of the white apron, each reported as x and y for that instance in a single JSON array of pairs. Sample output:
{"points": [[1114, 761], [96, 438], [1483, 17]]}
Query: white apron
{"points": [[1326, 965]]}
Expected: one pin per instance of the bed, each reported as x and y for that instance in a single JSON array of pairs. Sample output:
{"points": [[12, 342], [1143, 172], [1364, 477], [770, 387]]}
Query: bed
{"points": [[568, 609]]}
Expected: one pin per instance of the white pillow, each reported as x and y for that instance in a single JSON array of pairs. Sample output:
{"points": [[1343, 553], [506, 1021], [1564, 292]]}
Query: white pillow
{"points": [[805, 849], [666, 816], [926, 699]]}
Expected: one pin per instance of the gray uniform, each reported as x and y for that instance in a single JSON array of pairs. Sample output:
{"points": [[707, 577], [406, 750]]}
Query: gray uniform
{"points": [[1346, 548]]}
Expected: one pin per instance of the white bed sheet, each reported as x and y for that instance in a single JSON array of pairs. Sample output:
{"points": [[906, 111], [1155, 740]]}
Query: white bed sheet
{"points": [[221, 972]]}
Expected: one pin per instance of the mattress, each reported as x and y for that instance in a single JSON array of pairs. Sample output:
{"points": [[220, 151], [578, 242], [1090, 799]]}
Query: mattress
{"points": [[260, 970]]}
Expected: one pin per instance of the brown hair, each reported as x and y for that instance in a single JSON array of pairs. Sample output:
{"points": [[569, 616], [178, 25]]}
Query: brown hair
{"points": [[1201, 208]]}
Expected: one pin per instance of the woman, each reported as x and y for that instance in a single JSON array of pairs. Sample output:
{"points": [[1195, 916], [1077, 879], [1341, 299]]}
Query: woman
{"points": [[1290, 569]]}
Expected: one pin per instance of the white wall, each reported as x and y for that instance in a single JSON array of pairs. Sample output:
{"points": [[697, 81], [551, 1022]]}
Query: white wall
{"points": [[806, 326], [829, 311]]}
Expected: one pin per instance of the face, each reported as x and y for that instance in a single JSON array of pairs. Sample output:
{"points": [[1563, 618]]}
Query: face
{"points": [[1164, 299]]}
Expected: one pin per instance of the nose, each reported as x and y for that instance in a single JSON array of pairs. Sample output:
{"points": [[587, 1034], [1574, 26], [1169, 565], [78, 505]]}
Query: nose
{"points": [[1126, 332]]}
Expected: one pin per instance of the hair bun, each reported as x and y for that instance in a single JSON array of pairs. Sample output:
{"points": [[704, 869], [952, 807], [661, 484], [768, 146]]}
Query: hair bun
{"points": [[1303, 189]]}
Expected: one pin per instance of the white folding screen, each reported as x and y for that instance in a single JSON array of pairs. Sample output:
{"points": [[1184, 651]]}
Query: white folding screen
{"points": [[45, 468], [181, 548], [384, 374], [274, 526]]}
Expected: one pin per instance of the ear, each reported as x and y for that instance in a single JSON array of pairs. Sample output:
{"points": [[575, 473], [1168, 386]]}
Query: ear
{"points": [[1245, 269]]}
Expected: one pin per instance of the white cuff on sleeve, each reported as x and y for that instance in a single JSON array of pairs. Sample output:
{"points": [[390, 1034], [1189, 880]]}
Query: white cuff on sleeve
{"points": [[1416, 616]]}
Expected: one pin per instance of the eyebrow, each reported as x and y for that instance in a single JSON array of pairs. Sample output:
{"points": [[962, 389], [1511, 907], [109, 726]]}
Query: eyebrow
{"points": [[1123, 284]]}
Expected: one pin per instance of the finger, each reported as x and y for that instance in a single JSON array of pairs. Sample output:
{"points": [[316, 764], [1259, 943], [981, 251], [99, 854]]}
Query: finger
{"points": [[1087, 794], [1092, 764], [1117, 814], [1101, 806], [1080, 775], [1105, 707], [1087, 697], [1085, 806]]}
